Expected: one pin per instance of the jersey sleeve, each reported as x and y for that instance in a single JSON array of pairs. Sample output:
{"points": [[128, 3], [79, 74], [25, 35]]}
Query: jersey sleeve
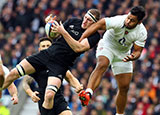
{"points": [[141, 39], [93, 39], [113, 22], [66, 23]]}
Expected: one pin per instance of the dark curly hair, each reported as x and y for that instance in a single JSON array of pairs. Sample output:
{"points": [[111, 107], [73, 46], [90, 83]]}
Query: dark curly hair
{"points": [[138, 11]]}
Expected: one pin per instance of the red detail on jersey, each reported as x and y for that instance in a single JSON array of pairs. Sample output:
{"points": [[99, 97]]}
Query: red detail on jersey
{"points": [[100, 48], [126, 32]]}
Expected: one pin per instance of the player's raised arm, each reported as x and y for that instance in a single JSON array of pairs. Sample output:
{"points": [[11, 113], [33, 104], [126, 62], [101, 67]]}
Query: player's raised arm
{"points": [[100, 25]]}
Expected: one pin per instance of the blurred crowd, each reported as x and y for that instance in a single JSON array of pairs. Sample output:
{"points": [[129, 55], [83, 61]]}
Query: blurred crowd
{"points": [[22, 24]]}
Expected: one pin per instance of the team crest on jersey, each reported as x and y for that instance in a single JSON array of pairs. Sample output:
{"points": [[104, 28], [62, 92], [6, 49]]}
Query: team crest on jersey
{"points": [[101, 48], [126, 32]]}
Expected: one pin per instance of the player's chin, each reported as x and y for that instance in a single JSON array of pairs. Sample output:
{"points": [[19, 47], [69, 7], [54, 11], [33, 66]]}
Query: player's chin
{"points": [[84, 26]]}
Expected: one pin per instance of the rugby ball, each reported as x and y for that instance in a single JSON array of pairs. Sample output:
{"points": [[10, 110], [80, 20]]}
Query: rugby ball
{"points": [[48, 31]]}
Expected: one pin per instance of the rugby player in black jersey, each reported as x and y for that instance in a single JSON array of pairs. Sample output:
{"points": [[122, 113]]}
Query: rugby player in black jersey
{"points": [[41, 77], [58, 57]]}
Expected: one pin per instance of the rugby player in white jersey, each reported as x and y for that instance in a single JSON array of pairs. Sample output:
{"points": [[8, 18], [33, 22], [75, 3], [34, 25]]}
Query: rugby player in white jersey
{"points": [[122, 32], [4, 71], [12, 88]]}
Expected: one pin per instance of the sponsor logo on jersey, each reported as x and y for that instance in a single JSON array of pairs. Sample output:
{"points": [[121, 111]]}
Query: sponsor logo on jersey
{"points": [[75, 32], [72, 30]]}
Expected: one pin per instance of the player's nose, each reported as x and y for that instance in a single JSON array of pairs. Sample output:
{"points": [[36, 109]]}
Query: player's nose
{"points": [[128, 21]]}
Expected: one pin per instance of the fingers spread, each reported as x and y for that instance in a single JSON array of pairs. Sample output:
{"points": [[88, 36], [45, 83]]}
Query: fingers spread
{"points": [[56, 23]]}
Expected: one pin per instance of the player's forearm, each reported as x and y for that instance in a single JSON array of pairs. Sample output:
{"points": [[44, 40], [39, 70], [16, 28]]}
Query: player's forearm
{"points": [[29, 92], [27, 80], [75, 45], [13, 90], [100, 25], [92, 29], [72, 80], [27, 88]]}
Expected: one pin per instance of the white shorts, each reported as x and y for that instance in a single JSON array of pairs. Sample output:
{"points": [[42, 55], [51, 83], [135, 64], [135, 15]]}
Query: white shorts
{"points": [[115, 58]]}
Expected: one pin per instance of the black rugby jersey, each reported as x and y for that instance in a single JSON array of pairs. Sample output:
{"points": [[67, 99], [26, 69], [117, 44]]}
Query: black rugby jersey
{"points": [[60, 52]]}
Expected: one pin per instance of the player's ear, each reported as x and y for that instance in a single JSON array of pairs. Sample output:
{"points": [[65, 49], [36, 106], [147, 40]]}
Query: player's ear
{"points": [[39, 49]]}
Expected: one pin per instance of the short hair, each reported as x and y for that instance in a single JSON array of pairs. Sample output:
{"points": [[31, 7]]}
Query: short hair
{"points": [[96, 13], [138, 11], [44, 39]]}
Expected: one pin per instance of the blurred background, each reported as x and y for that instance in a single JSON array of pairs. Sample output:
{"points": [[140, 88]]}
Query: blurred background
{"points": [[22, 24]]}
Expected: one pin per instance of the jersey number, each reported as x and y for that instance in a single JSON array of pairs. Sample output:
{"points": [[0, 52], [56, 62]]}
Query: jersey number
{"points": [[122, 41]]}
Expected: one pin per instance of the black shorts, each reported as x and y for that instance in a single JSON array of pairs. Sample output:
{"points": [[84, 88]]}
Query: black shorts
{"points": [[59, 106], [42, 60]]}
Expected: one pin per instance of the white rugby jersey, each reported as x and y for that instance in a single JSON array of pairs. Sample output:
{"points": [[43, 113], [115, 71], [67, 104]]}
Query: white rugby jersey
{"points": [[119, 38]]}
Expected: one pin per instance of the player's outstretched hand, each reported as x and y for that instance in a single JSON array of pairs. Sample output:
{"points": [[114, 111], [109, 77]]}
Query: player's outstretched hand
{"points": [[14, 98], [79, 88], [84, 97], [50, 18], [34, 97], [58, 28]]}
